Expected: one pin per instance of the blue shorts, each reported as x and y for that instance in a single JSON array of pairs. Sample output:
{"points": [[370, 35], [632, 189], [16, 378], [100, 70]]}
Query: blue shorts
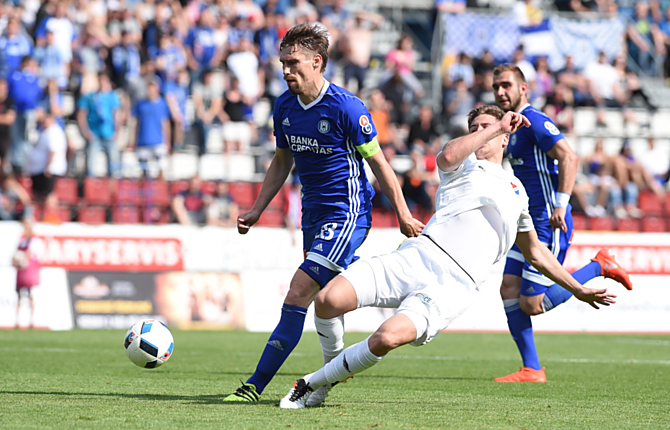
{"points": [[533, 283], [330, 240]]}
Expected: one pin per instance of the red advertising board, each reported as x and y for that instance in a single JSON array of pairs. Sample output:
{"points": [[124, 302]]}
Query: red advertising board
{"points": [[637, 259], [112, 253]]}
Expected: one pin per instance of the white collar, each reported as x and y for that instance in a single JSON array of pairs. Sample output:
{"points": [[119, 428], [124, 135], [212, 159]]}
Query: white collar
{"points": [[318, 99], [523, 107]]}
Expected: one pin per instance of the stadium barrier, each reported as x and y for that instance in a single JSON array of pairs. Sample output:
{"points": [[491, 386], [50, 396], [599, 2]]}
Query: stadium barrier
{"points": [[211, 278]]}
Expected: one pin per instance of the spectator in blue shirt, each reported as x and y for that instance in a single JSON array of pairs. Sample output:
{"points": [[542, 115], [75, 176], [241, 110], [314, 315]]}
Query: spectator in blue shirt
{"points": [[25, 92], [13, 47], [126, 62], [51, 62], [176, 95], [201, 50], [99, 122], [168, 57], [153, 128]]}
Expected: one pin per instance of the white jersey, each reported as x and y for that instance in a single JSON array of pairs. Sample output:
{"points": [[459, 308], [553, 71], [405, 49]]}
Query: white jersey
{"points": [[479, 210]]}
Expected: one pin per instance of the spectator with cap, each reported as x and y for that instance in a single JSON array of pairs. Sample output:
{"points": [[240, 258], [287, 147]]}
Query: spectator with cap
{"points": [[207, 104], [25, 92], [152, 138], [14, 45], [99, 119]]}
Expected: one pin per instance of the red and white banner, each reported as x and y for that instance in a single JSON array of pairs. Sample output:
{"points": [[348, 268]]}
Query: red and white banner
{"points": [[637, 259], [111, 253]]}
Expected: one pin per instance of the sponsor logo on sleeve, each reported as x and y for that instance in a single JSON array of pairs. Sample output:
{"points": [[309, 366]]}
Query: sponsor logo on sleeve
{"points": [[366, 126], [551, 128]]}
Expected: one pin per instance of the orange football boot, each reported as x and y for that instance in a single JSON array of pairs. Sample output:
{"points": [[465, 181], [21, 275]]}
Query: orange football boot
{"points": [[611, 269], [525, 374]]}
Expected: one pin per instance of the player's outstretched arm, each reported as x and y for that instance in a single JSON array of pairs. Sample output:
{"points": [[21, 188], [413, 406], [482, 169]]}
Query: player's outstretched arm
{"points": [[457, 150], [388, 182], [544, 261], [278, 171]]}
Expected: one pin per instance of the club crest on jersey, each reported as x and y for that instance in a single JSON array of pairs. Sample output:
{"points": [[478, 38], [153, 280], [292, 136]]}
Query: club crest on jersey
{"points": [[324, 126], [366, 126], [551, 128], [515, 188]]}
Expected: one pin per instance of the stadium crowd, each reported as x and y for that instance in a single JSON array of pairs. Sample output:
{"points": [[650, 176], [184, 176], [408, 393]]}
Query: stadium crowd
{"points": [[157, 77]]}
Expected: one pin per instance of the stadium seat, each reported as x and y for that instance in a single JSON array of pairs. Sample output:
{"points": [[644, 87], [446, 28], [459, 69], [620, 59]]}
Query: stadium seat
{"points": [[653, 224], [208, 187], [580, 221], [125, 215], [272, 218], [155, 193], [177, 187], [243, 193], [602, 224], [650, 204], [92, 215], [97, 191], [628, 224], [128, 192], [65, 213], [383, 219], [67, 191]]}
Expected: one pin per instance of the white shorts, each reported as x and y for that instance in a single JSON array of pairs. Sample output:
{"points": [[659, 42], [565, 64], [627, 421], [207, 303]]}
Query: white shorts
{"points": [[418, 279], [237, 132], [158, 152]]}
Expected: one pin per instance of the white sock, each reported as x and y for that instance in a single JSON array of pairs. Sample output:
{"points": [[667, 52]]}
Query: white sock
{"points": [[352, 360], [331, 336]]}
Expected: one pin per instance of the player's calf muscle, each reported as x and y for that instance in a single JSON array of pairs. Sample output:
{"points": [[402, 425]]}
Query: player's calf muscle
{"points": [[302, 291], [510, 287], [532, 305]]}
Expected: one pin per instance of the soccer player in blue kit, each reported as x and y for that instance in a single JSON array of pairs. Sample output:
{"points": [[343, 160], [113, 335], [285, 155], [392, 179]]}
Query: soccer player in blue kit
{"points": [[546, 165], [328, 132]]}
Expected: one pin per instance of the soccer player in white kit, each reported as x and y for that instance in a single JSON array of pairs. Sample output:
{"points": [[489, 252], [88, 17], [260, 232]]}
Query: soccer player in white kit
{"points": [[481, 211]]}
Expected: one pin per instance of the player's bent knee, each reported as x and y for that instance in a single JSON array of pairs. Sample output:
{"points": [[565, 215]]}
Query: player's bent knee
{"points": [[396, 331], [302, 291], [338, 298], [510, 288]]}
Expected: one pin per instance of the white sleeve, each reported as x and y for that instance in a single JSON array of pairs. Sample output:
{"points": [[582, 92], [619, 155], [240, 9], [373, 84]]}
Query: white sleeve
{"points": [[525, 223]]}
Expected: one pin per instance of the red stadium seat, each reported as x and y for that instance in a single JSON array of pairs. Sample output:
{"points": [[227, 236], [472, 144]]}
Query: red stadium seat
{"points": [[67, 191], [653, 224], [125, 215], [272, 218], [97, 191], [650, 204], [208, 187], [383, 219], [92, 215], [628, 224], [128, 192], [580, 222], [602, 224], [156, 193], [65, 213], [243, 193], [177, 187]]}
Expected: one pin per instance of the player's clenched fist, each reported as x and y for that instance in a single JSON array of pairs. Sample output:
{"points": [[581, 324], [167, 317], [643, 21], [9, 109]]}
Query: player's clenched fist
{"points": [[513, 121], [411, 227], [246, 220]]}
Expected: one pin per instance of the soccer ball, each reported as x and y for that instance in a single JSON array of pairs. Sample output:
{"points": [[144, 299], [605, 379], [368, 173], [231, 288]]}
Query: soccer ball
{"points": [[149, 343]]}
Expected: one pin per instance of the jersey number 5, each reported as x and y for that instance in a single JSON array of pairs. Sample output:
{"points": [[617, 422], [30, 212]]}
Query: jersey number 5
{"points": [[327, 231]]}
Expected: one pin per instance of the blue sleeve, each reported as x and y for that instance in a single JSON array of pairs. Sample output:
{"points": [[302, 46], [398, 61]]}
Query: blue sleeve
{"points": [[41, 29], [135, 109], [545, 131], [190, 39], [279, 130], [357, 122], [82, 103]]}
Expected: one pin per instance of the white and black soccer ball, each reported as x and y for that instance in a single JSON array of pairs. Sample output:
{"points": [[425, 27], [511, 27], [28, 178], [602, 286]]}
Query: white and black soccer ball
{"points": [[149, 343]]}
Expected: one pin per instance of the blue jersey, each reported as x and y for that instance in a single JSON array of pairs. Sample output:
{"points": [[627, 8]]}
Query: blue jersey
{"points": [[325, 138], [527, 153]]}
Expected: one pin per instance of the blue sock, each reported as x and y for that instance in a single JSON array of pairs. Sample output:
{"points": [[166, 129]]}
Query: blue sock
{"points": [[555, 295], [280, 345], [521, 330]]}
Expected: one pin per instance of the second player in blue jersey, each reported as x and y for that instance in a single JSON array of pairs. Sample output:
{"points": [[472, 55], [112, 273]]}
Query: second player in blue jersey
{"points": [[327, 132], [546, 165]]}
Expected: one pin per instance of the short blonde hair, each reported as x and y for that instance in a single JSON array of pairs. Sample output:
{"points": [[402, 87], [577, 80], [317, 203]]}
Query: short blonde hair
{"points": [[510, 68]]}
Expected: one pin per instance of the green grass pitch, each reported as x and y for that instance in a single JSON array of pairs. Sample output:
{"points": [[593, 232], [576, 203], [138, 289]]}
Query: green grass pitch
{"points": [[83, 379]]}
